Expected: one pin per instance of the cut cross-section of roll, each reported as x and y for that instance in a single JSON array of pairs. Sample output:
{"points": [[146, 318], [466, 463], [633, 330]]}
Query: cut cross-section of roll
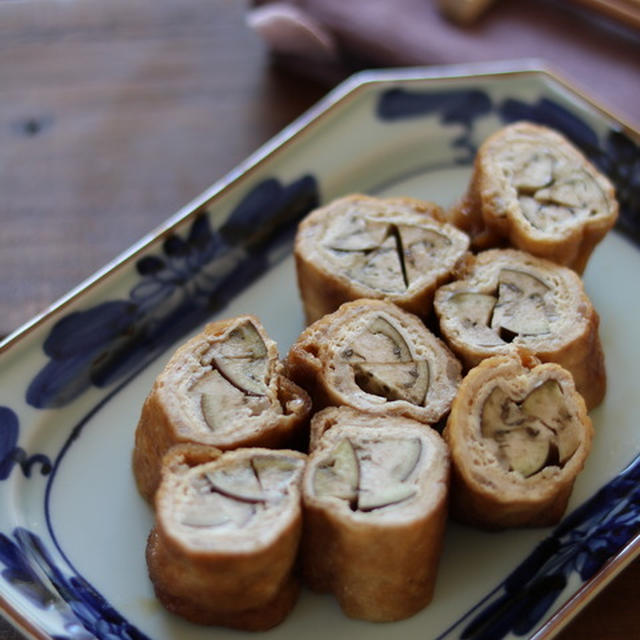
{"points": [[225, 388], [509, 299], [375, 505], [358, 246], [376, 357], [226, 536], [519, 435], [533, 188]]}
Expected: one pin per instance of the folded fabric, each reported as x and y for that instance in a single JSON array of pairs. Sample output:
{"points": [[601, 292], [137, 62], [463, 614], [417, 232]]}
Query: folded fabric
{"points": [[329, 37]]}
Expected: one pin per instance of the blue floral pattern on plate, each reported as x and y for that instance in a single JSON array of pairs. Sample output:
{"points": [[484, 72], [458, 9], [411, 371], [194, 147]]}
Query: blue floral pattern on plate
{"points": [[194, 277], [114, 340], [198, 272], [85, 614], [11, 454], [618, 156], [582, 543]]}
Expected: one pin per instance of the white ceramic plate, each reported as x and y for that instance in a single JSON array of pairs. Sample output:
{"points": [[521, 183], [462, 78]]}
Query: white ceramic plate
{"points": [[72, 526]]}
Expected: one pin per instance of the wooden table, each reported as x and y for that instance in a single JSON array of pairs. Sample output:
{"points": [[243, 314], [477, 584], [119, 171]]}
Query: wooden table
{"points": [[112, 116]]}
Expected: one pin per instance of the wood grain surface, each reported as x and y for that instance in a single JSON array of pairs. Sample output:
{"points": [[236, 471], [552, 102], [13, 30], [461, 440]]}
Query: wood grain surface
{"points": [[115, 113], [112, 116]]}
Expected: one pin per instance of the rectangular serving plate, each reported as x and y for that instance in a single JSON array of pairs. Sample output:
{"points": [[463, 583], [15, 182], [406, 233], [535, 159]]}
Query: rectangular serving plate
{"points": [[73, 528]]}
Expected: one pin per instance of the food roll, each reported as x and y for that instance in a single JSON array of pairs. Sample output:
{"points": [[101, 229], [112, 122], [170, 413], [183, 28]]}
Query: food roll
{"points": [[508, 299], [373, 356], [519, 435], [375, 506], [534, 190], [225, 388], [358, 246], [226, 535]]}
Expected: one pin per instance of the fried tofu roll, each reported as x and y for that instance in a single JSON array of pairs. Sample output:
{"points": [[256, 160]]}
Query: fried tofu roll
{"points": [[375, 506], [373, 356], [509, 299], [362, 247], [224, 387], [533, 189], [519, 435], [226, 536]]}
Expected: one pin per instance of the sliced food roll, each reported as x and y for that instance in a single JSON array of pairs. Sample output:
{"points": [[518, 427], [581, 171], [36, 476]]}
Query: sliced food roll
{"points": [[532, 188], [225, 387], [375, 506], [519, 435], [509, 299], [373, 356], [226, 536], [358, 246]]}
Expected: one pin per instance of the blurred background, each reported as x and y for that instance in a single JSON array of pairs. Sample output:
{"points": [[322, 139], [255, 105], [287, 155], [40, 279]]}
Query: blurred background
{"points": [[115, 113], [112, 116]]}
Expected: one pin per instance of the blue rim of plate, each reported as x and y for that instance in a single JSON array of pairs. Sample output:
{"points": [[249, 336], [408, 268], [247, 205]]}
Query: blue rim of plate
{"points": [[189, 278]]}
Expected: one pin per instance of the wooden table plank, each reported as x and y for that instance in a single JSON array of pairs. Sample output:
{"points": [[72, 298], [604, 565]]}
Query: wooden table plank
{"points": [[112, 116]]}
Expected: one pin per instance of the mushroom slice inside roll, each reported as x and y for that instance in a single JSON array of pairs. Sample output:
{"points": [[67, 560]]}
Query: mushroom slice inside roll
{"points": [[520, 305], [507, 300], [373, 356], [242, 359], [383, 364], [225, 388], [375, 495], [532, 187], [519, 435], [376, 478], [533, 433], [226, 535], [359, 246]]}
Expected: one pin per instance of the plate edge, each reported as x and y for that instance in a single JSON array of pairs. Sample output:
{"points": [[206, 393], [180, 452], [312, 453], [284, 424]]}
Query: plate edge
{"points": [[589, 590], [347, 89]]}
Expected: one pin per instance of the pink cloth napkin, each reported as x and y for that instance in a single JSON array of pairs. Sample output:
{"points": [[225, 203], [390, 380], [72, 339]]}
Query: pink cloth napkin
{"points": [[329, 37]]}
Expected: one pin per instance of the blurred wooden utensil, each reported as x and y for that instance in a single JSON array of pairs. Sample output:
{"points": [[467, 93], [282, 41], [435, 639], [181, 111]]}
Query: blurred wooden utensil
{"points": [[467, 11]]}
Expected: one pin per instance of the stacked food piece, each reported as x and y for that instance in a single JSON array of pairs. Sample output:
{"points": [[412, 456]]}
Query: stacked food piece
{"points": [[226, 537], [396, 249], [472, 323], [375, 504], [532, 189], [225, 388]]}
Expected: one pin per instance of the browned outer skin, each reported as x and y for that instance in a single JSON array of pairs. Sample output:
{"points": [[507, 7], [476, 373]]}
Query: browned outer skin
{"points": [[475, 499], [303, 365], [156, 433], [225, 581], [324, 292], [378, 571], [474, 506], [206, 607], [153, 439], [251, 591], [155, 436], [466, 214], [475, 214], [329, 417], [583, 357], [320, 295], [307, 369], [379, 574], [585, 361]]}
